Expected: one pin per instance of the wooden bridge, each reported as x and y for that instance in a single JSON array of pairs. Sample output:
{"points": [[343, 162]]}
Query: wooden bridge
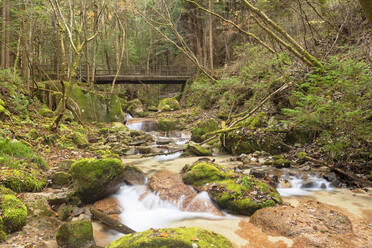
{"points": [[138, 75]]}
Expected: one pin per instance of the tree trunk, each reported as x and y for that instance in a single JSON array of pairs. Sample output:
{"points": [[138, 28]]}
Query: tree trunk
{"points": [[5, 32], [211, 36], [367, 7]]}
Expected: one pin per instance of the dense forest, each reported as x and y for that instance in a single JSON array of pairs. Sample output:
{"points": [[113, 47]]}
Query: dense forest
{"points": [[185, 123]]}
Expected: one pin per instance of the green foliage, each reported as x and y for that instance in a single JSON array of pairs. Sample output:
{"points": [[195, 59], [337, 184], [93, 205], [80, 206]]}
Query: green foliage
{"points": [[15, 154], [337, 104]]}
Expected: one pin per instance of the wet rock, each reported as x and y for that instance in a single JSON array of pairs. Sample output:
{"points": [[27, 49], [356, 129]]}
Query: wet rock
{"points": [[163, 141], [109, 205], [168, 104], [285, 184], [233, 192], [258, 173], [172, 237], [310, 223], [133, 176], [170, 187], [197, 149], [332, 177], [95, 179], [77, 234], [137, 142]]}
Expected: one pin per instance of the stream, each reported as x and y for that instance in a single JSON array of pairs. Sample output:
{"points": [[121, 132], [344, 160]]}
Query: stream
{"points": [[142, 209]]}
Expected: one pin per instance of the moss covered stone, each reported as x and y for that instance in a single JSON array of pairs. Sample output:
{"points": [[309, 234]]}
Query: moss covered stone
{"points": [[61, 179], [22, 181], [201, 173], [96, 178], [233, 192], [14, 213], [248, 141], [77, 234], [172, 238], [168, 104], [197, 149], [165, 124], [202, 128], [134, 107]]}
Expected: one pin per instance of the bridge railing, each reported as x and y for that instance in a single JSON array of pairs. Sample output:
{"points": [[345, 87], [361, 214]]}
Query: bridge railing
{"points": [[161, 70]]}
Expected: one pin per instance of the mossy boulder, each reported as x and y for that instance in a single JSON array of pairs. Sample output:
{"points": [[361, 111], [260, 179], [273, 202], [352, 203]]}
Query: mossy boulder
{"points": [[168, 104], [235, 193], [61, 179], [198, 150], [95, 179], [77, 234], [165, 124], [172, 238], [22, 180], [202, 128], [39, 207], [14, 213], [248, 141], [201, 173], [46, 112], [119, 127], [133, 176]]}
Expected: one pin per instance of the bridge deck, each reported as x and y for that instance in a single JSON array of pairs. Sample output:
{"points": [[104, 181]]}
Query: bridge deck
{"points": [[141, 79], [137, 75]]}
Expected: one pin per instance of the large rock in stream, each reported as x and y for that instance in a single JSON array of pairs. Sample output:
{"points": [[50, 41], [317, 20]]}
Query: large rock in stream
{"points": [[309, 224], [77, 234], [172, 238], [170, 187], [233, 192], [95, 179]]}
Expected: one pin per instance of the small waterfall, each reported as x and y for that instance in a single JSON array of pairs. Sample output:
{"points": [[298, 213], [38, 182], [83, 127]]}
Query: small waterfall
{"points": [[301, 186], [143, 209]]}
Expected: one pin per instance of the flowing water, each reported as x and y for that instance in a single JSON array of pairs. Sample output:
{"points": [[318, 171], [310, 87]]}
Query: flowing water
{"points": [[143, 209]]}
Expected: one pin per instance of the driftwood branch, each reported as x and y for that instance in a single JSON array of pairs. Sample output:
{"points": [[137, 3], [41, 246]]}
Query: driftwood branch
{"points": [[112, 223]]}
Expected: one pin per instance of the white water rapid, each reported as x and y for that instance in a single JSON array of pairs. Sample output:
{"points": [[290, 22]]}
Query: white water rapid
{"points": [[143, 209], [302, 187]]}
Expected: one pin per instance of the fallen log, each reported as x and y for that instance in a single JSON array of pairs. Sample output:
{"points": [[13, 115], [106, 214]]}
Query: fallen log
{"points": [[110, 222]]}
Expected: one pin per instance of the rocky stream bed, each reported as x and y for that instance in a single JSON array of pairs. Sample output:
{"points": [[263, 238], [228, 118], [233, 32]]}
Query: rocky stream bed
{"points": [[291, 207]]}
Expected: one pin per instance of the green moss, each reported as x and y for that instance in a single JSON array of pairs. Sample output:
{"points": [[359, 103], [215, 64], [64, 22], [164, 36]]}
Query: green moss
{"points": [[119, 127], [301, 155], [22, 181], [92, 176], [165, 124], [64, 212], [201, 173], [168, 104], [197, 149], [134, 107], [77, 234], [14, 213], [172, 238], [46, 112], [202, 128]]}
